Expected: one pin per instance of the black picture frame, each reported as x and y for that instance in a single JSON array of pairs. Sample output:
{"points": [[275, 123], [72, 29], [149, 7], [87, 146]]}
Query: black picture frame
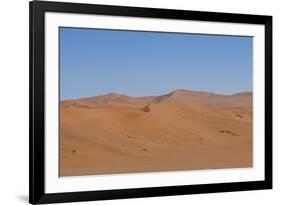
{"points": [[37, 194]]}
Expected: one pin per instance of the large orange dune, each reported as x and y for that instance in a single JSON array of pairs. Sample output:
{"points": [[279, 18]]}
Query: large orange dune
{"points": [[183, 130]]}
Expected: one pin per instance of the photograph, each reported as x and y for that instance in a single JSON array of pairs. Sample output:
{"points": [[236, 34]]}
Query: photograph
{"points": [[133, 102], [146, 101]]}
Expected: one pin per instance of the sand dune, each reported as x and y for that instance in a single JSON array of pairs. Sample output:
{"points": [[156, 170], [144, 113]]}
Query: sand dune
{"points": [[180, 95], [183, 130]]}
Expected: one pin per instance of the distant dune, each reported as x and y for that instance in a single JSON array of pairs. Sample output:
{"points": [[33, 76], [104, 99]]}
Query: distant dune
{"points": [[182, 130], [205, 98]]}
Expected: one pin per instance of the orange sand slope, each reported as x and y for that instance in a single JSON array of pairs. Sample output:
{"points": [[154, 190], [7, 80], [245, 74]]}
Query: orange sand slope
{"points": [[183, 130]]}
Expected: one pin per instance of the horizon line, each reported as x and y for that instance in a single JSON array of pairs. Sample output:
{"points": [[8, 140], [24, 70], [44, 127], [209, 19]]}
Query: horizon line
{"points": [[180, 89]]}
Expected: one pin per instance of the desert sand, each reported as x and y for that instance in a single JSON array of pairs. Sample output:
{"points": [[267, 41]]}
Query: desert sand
{"points": [[182, 130]]}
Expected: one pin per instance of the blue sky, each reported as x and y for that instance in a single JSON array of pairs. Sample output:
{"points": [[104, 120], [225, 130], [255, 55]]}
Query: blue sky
{"points": [[95, 62]]}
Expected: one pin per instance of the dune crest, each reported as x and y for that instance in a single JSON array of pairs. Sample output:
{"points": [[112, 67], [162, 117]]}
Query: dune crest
{"points": [[180, 95]]}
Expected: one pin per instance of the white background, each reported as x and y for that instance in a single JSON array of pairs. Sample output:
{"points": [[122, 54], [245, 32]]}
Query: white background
{"points": [[84, 183], [14, 100]]}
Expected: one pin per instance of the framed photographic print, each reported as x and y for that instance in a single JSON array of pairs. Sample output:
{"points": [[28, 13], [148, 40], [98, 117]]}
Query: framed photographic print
{"points": [[140, 102]]}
